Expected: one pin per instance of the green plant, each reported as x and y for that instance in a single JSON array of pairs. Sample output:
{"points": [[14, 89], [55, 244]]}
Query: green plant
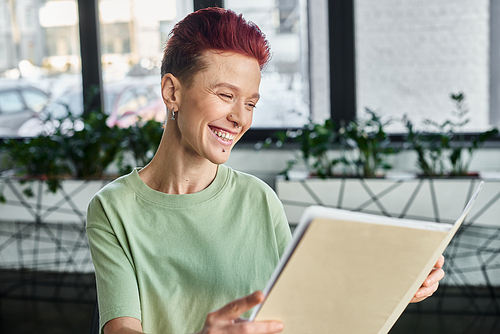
{"points": [[315, 141], [76, 146], [141, 140], [64, 151], [440, 147], [429, 147], [459, 163], [362, 143], [35, 158], [366, 136], [92, 149]]}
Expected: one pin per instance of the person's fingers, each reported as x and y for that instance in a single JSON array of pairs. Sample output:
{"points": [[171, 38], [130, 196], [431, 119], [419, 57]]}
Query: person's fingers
{"points": [[440, 262], [240, 320], [431, 283], [427, 291], [239, 306], [258, 327], [424, 292], [435, 276]]}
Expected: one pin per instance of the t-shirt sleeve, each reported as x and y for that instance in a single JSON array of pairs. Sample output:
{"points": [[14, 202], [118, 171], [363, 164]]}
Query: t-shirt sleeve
{"points": [[117, 290]]}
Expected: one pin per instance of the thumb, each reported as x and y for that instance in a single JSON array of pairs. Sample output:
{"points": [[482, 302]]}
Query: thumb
{"points": [[237, 307]]}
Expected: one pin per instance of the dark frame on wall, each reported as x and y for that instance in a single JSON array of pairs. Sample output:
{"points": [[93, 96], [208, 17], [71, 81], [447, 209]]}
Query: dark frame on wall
{"points": [[342, 60], [199, 4], [90, 51]]}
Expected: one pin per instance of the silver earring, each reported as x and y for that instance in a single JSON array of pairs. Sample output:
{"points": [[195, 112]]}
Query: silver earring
{"points": [[173, 116]]}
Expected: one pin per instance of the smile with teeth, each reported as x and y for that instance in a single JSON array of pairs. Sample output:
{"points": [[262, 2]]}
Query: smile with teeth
{"points": [[226, 136]]}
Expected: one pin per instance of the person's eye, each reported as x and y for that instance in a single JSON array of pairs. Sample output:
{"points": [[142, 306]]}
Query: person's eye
{"points": [[252, 105], [226, 96]]}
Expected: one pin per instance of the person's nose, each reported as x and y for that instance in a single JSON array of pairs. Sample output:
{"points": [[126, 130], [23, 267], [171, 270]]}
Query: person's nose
{"points": [[240, 116]]}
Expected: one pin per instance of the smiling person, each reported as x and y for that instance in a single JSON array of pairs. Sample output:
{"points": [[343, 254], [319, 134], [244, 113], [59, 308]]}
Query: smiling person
{"points": [[186, 235]]}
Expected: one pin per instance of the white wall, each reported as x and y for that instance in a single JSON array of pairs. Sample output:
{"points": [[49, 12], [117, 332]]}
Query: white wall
{"points": [[410, 55]]}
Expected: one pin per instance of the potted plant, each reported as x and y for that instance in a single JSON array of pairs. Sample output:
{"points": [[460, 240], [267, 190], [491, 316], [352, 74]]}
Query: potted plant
{"points": [[441, 147], [51, 180], [371, 144], [344, 164], [75, 147], [315, 141], [350, 156], [432, 199], [363, 146], [140, 141], [81, 147]]}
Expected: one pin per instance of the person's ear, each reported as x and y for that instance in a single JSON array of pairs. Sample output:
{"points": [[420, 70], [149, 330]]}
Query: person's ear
{"points": [[171, 91]]}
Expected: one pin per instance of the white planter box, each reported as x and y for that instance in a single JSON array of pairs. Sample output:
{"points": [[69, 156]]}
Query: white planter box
{"points": [[473, 257], [46, 232]]}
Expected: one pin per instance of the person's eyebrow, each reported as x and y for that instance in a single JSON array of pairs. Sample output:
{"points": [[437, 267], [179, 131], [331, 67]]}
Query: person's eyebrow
{"points": [[235, 88]]}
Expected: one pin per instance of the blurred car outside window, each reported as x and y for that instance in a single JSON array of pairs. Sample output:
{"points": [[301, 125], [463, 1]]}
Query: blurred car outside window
{"points": [[18, 103], [127, 103], [35, 100], [123, 103], [11, 102]]}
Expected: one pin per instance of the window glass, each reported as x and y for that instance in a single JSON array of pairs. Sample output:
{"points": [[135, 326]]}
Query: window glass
{"points": [[39, 45], [284, 88], [412, 55], [143, 96], [70, 101], [127, 101], [109, 102], [35, 100], [11, 102], [133, 35], [152, 97], [39, 48]]}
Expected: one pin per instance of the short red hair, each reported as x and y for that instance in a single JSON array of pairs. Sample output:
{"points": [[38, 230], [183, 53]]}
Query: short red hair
{"points": [[211, 29]]}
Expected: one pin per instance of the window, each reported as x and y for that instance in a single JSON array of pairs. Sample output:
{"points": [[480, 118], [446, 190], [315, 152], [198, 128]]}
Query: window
{"points": [[284, 88], [34, 100], [133, 35], [115, 38], [59, 20], [11, 102], [132, 42], [145, 97], [127, 102], [289, 16], [39, 54]]}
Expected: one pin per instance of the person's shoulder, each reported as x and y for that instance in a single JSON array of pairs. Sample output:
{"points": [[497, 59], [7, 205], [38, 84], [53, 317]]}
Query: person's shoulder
{"points": [[118, 188], [110, 199], [249, 182], [251, 189], [238, 176]]}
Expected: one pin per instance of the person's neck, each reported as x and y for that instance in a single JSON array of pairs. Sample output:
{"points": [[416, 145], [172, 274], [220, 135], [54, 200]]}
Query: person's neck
{"points": [[174, 171]]}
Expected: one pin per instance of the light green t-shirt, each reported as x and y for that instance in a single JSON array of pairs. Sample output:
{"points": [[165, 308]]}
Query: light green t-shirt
{"points": [[168, 260]]}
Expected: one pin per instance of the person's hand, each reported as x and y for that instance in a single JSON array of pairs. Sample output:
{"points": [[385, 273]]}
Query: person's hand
{"points": [[227, 319], [431, 283]]}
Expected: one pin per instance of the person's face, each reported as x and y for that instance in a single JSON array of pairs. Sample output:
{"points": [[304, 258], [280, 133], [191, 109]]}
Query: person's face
{"points": [[217, 109]]}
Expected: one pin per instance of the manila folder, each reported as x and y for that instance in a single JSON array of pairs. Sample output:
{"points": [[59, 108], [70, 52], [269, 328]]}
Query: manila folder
{"points": [[350, 272]]}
